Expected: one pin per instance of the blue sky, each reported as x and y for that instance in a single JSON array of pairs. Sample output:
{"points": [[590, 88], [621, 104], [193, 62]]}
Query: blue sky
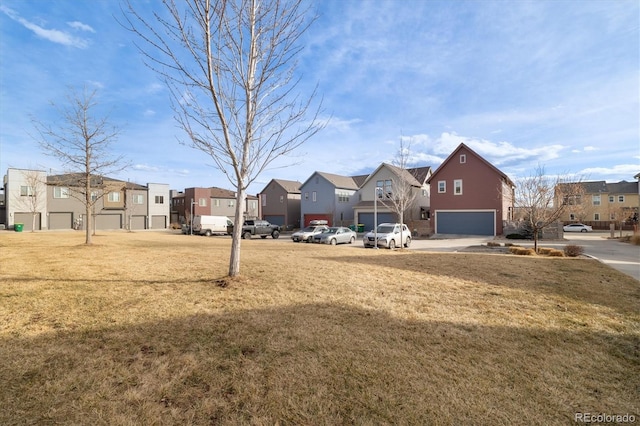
{"points": [[523, 83]]}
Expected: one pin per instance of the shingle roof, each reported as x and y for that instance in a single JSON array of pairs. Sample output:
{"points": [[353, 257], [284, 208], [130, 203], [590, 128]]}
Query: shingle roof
{"points": [[291, 186], [601, 186], [77, 179], [226, 193], [344, 182]]}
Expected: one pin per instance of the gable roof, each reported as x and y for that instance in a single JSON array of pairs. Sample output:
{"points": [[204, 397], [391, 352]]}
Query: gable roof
{"points": [[338, 181], [291, 186], [601, 186], [415, 176], [97, 181], [360, 179], [226, 193], [475, 154]]}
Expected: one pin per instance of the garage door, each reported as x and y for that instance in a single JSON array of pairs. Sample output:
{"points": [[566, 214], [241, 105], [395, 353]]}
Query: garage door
{"points": [[158, 222], [138, 222], [109, 221], [466, 223], [60, 220], [27, 221], [367, 219]]}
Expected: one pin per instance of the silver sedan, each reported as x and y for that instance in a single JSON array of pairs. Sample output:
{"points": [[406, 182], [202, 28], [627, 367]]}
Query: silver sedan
{"points": [[335, 235]]}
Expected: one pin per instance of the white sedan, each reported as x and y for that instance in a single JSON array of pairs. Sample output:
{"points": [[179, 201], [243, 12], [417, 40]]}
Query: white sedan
{"points": [[577, 227]]}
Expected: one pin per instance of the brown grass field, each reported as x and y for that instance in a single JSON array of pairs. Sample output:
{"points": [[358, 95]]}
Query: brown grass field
{"points": [[142, 329]]}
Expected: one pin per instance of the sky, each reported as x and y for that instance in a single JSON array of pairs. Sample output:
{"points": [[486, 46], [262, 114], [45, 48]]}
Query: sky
{"points": [[525, 84]]}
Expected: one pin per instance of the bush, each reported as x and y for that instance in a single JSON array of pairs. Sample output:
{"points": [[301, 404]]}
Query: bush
{"points": [[573, 250], [545, 250], [493, 244], [521, 251], [556, 253], [635, 240]]}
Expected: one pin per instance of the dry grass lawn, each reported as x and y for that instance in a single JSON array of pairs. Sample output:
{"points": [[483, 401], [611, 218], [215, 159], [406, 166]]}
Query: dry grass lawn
{"points": [[140, 329]]}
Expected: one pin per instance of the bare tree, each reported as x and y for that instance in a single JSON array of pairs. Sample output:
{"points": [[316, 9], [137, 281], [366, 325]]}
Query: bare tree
{"points": [[404, 185], [33, 194], [543, 200], [82, 143], [230, 68]]}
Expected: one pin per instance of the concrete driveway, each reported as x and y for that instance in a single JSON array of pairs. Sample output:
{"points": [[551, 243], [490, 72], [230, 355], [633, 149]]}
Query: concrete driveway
{"points": [[624, 257]]}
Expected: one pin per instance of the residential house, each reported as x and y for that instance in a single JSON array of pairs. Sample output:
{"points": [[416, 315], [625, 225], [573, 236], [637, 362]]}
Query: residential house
{"points": [[329, 197], [280, 202], [208, 201], [469, 195], [386, 184], [57, 202], [603, 203], [25, 198]]}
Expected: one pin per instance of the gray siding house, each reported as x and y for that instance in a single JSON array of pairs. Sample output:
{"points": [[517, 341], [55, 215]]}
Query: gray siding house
{"points": [[280, 203], [329, 197]]}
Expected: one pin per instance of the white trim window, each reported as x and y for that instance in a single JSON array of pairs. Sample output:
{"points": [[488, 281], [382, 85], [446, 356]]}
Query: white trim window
{"points": [[442, 186], [612, 199], [621, 198], [159, 199], [26, 191], [60, 192], [457, 187], [463, 158], [114, 197], [596, 200], [138, 199], [231, 203], [596, 216], [314, 197], [202, 202]]}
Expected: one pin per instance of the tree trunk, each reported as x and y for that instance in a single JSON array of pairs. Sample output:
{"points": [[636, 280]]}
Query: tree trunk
{"points": [[234, 259], [87, 204]]}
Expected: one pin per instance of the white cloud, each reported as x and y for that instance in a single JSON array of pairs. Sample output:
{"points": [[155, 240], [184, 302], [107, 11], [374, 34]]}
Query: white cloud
{"points": [[149, 113], [619, 171], [80, 26], [55, 36]]}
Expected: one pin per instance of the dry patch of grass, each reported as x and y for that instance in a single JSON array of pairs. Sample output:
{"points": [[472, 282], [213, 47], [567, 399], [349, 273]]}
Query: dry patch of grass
{"points": [[144, 328]]}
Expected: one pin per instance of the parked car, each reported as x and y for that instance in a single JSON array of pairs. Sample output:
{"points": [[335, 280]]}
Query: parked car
{"points": [[577, 227], [306, 234], [388, 235], [335, 235], [209, 225]]}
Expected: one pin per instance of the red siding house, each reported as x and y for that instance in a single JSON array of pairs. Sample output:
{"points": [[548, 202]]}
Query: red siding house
{"points": [[470, 196]]}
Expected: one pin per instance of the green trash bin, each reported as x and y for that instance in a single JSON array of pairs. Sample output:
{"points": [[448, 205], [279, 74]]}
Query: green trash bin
{"points": [[352, 227], [361, 227], [18, 227]]}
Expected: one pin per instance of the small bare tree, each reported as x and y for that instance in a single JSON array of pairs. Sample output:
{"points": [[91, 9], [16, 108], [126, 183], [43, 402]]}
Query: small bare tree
{"points": [[543, 199], [33, 195], [230, 67], [82, 143], [404, 185]]}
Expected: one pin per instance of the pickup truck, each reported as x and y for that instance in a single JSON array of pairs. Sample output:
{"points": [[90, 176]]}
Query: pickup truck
{"points": [[259, 227]]}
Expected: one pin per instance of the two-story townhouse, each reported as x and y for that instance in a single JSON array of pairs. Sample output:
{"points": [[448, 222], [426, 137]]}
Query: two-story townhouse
{"points": [[25, 198], [330, 197], [389, 188], [602, 203], [280, 202], [223, 203], [469, 195]]}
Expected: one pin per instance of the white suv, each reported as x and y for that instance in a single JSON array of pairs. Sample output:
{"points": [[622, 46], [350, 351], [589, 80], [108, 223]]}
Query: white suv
{"points": [[388, 236]]}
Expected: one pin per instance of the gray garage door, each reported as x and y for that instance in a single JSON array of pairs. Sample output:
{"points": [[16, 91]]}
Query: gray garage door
{"points": [[60, 221], [138, 222], [367, 219], [27, 220], [109, 221], [465, 223], [158, 222]]}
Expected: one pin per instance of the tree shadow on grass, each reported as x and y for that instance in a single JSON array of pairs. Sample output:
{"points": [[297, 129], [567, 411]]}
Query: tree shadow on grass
{"points": [[315, 363], [583, 280]]}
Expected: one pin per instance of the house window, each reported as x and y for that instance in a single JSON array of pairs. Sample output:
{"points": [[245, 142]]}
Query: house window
{"points": [[463, 158], [343, 197], [60, 192], [231, 203], [572, 216], [202, 202], [621, 198], [612, 216], [612, 198], [264, 199], [424, 192], [114, 197], [159, 199], [138, 199], [306, 195], [313, 196], [26, 191], [281, 199], [457, 187], [252, 205], [216, 202], [596, 201], [442, 186], [596, 216], [94, 196], [387, 188]]}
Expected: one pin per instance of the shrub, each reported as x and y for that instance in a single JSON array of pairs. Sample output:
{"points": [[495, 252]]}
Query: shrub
{"points": [[545, 250], [508, 244], [573, 250], [635, 240], [556, 253], [493, 244], [521, 251]]}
